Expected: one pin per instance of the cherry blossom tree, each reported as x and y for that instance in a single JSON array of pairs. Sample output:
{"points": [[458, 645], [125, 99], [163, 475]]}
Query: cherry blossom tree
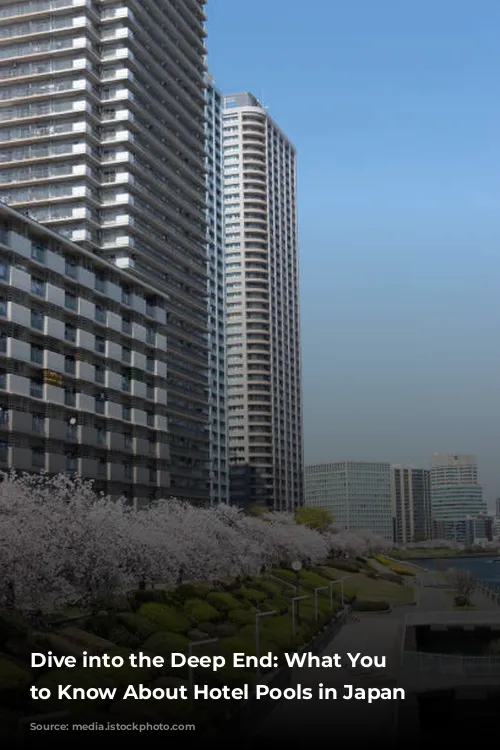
{"points": [[61, 543]]}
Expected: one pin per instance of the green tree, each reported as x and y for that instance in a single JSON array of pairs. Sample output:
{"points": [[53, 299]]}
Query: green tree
{"points": [[315, 518]]}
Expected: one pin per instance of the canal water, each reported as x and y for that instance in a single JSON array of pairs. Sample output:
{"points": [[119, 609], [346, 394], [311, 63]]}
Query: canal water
{"points": [[482, 568]]}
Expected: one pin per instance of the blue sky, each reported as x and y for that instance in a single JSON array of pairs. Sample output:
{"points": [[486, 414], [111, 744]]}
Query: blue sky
{"points": [[394, 109]]}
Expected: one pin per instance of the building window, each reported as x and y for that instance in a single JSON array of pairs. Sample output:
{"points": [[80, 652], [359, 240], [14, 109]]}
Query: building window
{"points": [[69, 365], [4, 451], [102, 467], [37, 353], [150, 336], [70, 301], [150, 419], [70, 397], [100, 314], [100, 373], [126, 355], [38, 458], [70, 332], [101, 435], [4, 415], [128, 442], [38, 423], [37, 286], [3, 307], [72, 429], [150, 392], [126, 413], [150, 364], [127, 471], [38, 252], [71, 462], [100, 284], [3, 343], [37, 319], [4, 270], [100, 344], [36, 388], [71, 268], [126, 296], [126, 324], [126, 382]]}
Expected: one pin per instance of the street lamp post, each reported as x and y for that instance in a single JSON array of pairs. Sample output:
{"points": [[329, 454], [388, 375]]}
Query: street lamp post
{"points": [[257, 634], [295, 610], [319, 588], [192, 645], [297, 567], [341, 581]]}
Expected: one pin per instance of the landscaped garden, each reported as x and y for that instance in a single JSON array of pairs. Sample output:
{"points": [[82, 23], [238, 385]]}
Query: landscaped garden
{"points": [[81, 573]]}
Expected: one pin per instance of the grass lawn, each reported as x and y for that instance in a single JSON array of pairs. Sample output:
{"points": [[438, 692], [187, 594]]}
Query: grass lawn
{"points": [[370, 590]]}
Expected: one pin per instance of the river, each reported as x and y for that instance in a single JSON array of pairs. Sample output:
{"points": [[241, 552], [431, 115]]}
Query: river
{"points": [[482, 568]]}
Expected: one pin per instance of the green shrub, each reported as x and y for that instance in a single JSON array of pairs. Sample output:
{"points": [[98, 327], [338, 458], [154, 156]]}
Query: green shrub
{"points": [[252, 595], [351, 567], [288, 575], [164, 644], [208, 627], [223, 601], [147, 596], [362, 606], [166, 618], [241, 617], [137, 625], [270, 587], [313, 580], [201, 611], [278, 630], [225, 630], [192, 591], [123, 637], [14, 680]]}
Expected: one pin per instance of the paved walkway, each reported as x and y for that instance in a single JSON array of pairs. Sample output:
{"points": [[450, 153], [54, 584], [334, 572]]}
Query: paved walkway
{"points": [[374, 635], [380, 635]]}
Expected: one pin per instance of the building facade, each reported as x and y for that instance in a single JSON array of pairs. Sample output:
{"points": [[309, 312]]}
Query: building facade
{"points": [[264, 357], [102, 139], [216, 292], [455, 493], [411, 502], [83, 372], [357, 494]]}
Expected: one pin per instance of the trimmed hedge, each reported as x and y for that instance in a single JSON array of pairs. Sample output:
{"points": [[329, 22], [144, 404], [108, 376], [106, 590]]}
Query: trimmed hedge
{"points": [[201, 611], [252, 595], [192, 591], [241, 617], [166, 618], [223, 602], [137, 625]]}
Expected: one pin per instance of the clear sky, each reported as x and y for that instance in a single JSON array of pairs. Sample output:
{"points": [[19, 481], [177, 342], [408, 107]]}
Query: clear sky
{"points": [[394, 108]]}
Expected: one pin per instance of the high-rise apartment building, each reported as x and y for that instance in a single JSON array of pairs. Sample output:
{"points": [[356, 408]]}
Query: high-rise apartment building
{"points": [[411, 498], [219, 455], [455, 493], [264, 359], [356, 493], [102, 138], [83, 373]]}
